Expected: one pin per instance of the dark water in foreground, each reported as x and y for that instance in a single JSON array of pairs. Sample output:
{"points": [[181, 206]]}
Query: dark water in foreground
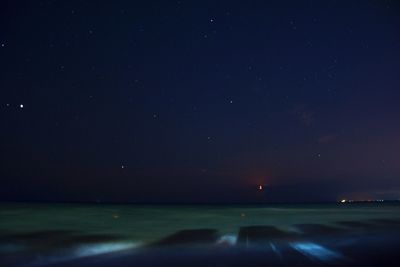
{"points": [[146, 235]]}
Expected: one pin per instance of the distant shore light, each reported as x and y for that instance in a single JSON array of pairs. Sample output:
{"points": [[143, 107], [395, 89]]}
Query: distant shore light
{"points": [[260, 187]]}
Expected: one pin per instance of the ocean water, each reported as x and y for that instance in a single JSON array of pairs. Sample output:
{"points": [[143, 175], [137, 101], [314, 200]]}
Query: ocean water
{"points": [[64, 232], [149, 223]]}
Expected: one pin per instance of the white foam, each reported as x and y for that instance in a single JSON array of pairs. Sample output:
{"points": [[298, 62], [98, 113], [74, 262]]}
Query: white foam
{"points": [[96, 249], [230, 240], [85, 251], [317, 251]]}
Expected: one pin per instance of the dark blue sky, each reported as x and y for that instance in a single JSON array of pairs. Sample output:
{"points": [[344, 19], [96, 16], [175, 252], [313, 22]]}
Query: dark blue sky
{"points": [[199, 101]]}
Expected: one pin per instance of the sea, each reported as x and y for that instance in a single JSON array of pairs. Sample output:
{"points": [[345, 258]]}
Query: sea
{"points": [[43, 234]]}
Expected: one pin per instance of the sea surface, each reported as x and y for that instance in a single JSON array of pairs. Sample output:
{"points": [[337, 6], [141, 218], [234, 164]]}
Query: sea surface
{"points": [[136, 235]]}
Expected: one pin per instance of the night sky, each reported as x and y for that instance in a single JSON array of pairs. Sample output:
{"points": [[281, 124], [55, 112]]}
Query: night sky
{"points": [[199, 101]]}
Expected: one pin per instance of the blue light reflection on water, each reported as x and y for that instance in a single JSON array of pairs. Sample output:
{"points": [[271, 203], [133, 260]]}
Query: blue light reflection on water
{"points": [[317, 251], [84, 251], [276, 250], [230, 240]]}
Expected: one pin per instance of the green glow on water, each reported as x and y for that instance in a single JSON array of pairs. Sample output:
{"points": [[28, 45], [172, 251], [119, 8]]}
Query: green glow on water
{"points": [[149, 223]]}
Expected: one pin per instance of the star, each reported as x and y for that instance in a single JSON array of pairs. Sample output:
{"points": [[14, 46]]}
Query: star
{"points": [[21, 106], [122, 167], [2, 45]]}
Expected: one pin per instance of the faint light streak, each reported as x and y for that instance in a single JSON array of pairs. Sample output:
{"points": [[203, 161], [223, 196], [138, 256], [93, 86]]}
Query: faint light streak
{"points": [[229, 240], [84, 251], [91, 250], [319, 252], [275, 250]]}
